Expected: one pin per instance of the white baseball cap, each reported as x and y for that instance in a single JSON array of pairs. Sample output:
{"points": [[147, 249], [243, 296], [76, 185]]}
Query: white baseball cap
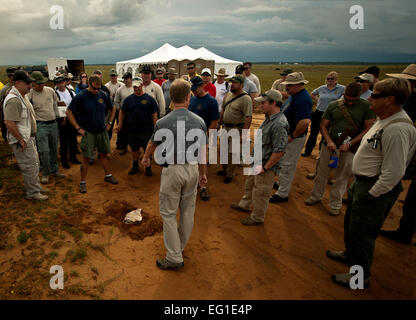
{"points": [[206, 70]]}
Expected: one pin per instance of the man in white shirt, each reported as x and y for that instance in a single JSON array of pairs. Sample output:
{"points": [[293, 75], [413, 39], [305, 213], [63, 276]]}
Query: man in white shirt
{"points": [[112, 87], [251, 76], [379, 165], [221, 86], [153, 89]]}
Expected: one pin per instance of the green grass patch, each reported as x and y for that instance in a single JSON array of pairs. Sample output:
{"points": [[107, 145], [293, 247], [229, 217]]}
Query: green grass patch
{"points": [[22, 237]]}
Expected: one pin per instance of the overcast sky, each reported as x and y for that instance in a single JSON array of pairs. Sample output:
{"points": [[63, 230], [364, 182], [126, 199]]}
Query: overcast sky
{"points": [[107, 31]]}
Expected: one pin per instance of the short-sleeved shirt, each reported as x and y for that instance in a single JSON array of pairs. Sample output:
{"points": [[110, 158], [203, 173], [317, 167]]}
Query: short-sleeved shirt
{"points": [[166, 93], [222, 90], [205, 107], [256, 81], [360, 112], [249, 86], [159, 81], [177, 121], [275, 131], [44, 104], [210, 88], [112, 88], [12, 111], [299, 108], [366, 95], [90, 110], [237, 111], [122, 93], [140, 110], [410, 106], [327, 95]]}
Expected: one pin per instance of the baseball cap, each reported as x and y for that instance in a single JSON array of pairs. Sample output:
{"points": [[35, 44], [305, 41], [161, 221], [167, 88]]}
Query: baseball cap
{"points": [[21, 75], [70, 76], [113, 72], [286, 72], [237, 78], [146, 69], [10, 71], [207, 72], [59, 79], [365, 77], [38, 77], [172, 71], [137, 82], [271, 94], [98, 72], [239, 69], [127, 75], [196, 82], [372, 70]]}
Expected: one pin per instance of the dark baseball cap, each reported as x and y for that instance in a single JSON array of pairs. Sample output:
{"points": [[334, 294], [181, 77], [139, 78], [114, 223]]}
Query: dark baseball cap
{"points": [[240, 69], [21, 75], [196, 82], [10, 71], [372, 70], [146, 69], [127, 75]]}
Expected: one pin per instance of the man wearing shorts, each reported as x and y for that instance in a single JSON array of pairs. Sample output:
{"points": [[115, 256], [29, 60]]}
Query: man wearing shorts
{"points": [[89, 107]]}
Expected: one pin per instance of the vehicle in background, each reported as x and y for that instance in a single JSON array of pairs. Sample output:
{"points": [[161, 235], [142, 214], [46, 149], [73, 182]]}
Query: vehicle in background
{"points": [[63, 65]]}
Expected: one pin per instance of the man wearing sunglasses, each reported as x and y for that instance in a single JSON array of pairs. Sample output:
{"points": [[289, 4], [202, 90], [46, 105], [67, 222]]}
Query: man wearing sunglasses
{"points": [[379, 165], [89, 107], [191, 70], [339, 135], [160, 72]]}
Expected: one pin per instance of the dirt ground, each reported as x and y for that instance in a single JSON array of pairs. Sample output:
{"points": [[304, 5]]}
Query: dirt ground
{"points": [[104, 259]]}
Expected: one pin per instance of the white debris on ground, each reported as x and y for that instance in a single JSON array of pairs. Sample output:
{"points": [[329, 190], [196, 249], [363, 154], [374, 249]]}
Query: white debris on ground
{"points": [[133, 217]]}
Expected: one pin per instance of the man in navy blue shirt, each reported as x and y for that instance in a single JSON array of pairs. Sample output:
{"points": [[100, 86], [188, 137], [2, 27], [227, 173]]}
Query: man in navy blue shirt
{"points": [[143, 113], [87, 113], [298, 114], [205, 106]]}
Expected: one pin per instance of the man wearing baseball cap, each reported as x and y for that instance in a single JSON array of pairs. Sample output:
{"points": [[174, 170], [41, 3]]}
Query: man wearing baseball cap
{"points": [[166, 86], [249, 86], [375, 72], [20, 121], [277, 85], [160, 72], [153, 89], [121, 94], [274, 138], [366, 80], [298, 114], [206, 79], [3, 93], [45, 105], [112, 87], [142, 110], [251, 76]]}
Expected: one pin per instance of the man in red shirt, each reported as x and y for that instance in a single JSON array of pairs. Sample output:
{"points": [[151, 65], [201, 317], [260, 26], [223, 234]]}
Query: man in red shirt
{"points": [[206, 79], [159, 76]]}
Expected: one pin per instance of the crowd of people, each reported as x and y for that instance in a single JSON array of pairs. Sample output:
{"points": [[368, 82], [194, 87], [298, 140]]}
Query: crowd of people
{"points": [[367, 128]]}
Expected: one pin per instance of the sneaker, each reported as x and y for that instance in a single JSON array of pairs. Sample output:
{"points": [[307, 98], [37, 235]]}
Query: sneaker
{"points": [[276, 199], [122, 152], [133, 170], [111, 180], [38, 196], [339, 256], [250, 222], [58, 175], [311, 202], [228, 179], [343, 279], [311, 176], [204, 194], [44, 179], [305, 154], [334, 212], [222, 173], [237, 207], [83, 187], [275, 186], [148, 172], [165, 264], [395, 236]]}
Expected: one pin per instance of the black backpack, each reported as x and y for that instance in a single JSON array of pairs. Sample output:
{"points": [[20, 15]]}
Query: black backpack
{"points": [[227, 85]]}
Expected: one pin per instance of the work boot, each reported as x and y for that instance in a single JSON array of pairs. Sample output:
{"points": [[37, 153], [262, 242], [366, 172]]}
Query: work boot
{"points": [[75, 161], [165, 264], [38, 196], [204, 194], [276, 186], [334, 212], [148, 172], [222, 173], [396, 236], [339, 256], [91, 162], [228, 180], [311, 202], [343, 279], [65, 164], [134, 170], [305, 154], [111, 180], [250, 222], [58, 175], [276, 199], [83, 187], [44, 179], [237, 207]]}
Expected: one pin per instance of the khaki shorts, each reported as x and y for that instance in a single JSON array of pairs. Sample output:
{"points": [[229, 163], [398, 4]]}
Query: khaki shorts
{"points": [[90, 141]]}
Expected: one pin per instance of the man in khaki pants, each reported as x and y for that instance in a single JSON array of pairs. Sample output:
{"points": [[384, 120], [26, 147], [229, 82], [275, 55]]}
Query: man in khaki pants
{"points": [[274, 137], [179, 180]]}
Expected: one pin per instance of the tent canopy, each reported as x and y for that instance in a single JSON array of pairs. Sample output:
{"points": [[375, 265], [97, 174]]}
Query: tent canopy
{"points": [[167, 54]]}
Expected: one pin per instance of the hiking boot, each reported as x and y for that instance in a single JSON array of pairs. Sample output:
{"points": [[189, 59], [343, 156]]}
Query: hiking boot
{"points": [[311, 176], [83, 187], [204, 194], [276, 199], [44, 179], [311, 202], [58, 175], [334, 212], [133, 170], [305, 154], [331, 182], [165, 264], [228, 179], [122, 152], [339, 256], [38, 196], [91, 162], [250, 222], [222, 173], [65, 164], [111, 180], [237, 207], [148, 172], [275, 186], [343, 279], [395, 236]]}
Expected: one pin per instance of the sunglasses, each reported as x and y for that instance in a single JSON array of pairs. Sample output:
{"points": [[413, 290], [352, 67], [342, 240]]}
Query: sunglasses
{"points": [[350, 100], [360, 81], [95, 88], [379, 95], [330, 78], [61, 81], [191, 68], [159, 73], [84, 77]]}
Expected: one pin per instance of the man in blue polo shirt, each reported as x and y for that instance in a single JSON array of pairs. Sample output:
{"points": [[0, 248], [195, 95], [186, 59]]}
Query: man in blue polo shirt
{"points": [[205, 106], [143, 114], [298, 114], [87, 113]]}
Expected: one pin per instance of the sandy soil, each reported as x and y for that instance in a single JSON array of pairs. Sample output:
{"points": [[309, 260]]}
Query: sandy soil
{"points": [[284, 259]]}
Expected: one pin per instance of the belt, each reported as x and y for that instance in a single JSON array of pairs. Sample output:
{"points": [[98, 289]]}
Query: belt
{"points": [[46, 122], [234, 125], [365, 178]]}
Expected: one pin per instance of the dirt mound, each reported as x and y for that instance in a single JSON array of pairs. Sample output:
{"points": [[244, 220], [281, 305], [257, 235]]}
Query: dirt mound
{"points": [[150, 224]]}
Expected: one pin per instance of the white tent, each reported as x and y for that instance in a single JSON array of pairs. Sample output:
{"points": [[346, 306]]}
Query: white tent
{"points": [[167, 53]]}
